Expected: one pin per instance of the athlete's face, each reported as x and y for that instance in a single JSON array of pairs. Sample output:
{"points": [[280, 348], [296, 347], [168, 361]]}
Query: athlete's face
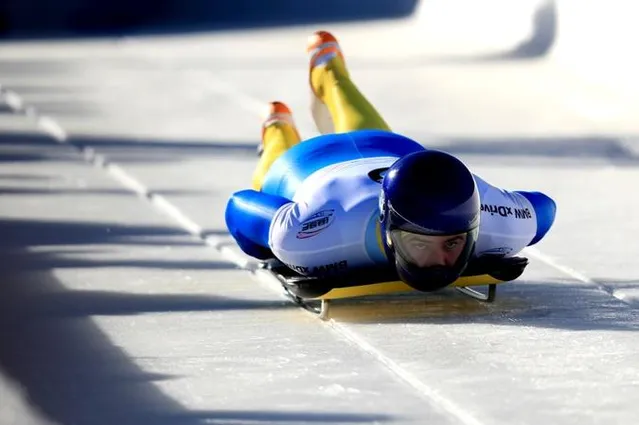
{"points": [[427, 251]]}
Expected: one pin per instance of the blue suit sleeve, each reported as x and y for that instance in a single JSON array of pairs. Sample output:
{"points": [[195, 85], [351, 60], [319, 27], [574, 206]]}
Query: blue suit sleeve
{"points": [[248, 218], [545, 210]]}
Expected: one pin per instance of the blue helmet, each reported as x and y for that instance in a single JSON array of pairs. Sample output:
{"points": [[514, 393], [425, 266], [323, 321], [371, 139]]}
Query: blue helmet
{"points": [[429, 213]]}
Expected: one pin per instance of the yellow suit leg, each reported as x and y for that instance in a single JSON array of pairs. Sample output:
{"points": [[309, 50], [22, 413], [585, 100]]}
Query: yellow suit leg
{"points": [[277, 138], [349, 108]]}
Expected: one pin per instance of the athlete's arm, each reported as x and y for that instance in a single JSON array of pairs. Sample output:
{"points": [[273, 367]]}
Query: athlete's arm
{"points": [[511, 220], [248, 217], [545, 210]]}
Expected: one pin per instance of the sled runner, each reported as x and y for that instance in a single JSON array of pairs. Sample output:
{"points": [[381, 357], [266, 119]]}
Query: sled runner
{"points": [[315, 293]]}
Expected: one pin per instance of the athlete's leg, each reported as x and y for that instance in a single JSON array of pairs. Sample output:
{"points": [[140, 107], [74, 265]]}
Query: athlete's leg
{"points": [[278, 135], [333, 89]]}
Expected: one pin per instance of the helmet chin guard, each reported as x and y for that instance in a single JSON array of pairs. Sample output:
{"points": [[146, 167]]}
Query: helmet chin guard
{"points": [[432, 278]]}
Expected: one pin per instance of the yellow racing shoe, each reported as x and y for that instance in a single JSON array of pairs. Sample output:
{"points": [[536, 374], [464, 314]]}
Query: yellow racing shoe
{"points": [[276, 112]]}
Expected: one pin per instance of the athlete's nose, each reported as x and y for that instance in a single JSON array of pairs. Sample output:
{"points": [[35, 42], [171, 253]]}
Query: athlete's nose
{"points": [[449, 259]]}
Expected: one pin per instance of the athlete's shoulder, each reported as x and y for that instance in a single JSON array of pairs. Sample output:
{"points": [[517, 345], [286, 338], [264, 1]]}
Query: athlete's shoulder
{"points": [[322, 233], [294, 224], [309, 238], [512, 220]]}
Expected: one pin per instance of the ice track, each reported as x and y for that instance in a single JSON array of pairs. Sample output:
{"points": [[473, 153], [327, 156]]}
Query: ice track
{"points": [[123, 300]]}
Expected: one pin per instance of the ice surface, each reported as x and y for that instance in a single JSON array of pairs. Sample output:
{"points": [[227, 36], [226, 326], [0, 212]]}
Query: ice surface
{"points": [[112, 312]]}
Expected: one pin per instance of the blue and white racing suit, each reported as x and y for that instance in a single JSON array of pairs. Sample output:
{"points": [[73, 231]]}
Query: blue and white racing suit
{"points": [[318, 208]]}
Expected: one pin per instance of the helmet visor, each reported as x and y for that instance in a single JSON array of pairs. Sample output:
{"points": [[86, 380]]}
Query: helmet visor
{"points": [[428, 250]]}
